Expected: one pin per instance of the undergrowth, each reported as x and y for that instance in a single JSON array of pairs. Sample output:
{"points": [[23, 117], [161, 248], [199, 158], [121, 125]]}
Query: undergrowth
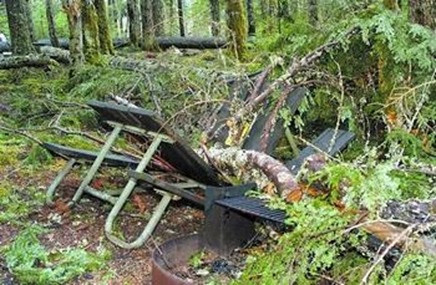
{"points": [[31, 263]]}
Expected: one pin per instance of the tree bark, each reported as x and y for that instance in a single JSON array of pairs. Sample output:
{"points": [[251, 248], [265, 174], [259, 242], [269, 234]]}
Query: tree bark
{"points": [[51, 23], [28, 9], [158, 18], [147, 24], [134, 22], [250, 18], [105, 39], [237, 25], [423, 12], [73, 10], [91, 40], [181, 18], [215, 16], [19, 27]]}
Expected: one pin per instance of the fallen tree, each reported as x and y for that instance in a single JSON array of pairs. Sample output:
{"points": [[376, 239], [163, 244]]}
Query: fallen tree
{"points": [[190, 42], [255, 166], [161, 42], [32, 60]]}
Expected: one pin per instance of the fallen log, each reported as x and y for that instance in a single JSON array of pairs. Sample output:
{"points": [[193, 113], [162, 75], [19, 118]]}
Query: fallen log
{"points": [[253, 166], [190, 42], [60, 55], [32, 60], [161, 42]]}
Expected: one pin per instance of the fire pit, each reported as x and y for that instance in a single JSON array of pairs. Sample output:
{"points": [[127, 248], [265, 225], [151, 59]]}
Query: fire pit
{"points": [[172, 254]]}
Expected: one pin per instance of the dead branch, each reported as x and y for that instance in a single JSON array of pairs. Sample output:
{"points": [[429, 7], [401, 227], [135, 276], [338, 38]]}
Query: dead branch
{"points": [[296, 66]]}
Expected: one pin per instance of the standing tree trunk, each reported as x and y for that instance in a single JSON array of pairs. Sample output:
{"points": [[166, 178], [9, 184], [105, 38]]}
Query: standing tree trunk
{"points": [[51, 23], [423, 12], [250, 17], [237, 25], [181, 17], [74, 14], [106, 45], [18, 27], [134, 22], [158, 18], [313, 12], [215, 16], [28, 9], [147, 24], [91, 41]]}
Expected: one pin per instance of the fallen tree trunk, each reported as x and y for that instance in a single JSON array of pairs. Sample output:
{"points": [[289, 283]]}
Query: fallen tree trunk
{"points": [[32, 60], [253, 166], [190, 42], [161, 42], [60, 55]]}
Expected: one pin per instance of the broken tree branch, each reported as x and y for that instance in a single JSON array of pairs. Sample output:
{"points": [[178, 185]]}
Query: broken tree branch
{"points": [[296, 66]]}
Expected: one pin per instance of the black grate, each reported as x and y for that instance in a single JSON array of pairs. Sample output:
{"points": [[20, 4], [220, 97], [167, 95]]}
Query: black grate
{"points": [[255, 207]]}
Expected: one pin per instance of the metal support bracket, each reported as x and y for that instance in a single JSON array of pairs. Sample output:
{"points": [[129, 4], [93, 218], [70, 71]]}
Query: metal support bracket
{"points": [[158, 212], [97, 163], [61, 175]]}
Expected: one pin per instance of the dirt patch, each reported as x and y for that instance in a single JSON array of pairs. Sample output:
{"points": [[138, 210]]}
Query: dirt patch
{"points": [[83, 227]]}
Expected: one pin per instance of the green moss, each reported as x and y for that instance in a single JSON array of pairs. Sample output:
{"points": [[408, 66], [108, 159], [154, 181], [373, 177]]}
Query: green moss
{"points": [[237, 24]]}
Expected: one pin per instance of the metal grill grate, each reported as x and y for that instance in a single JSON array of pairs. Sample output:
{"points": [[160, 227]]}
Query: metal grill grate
{"points": [[255, 207]]}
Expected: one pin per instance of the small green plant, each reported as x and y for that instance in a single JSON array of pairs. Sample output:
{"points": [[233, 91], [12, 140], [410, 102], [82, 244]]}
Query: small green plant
{"points": [[13, 205], [196, 260], [31, 263]]}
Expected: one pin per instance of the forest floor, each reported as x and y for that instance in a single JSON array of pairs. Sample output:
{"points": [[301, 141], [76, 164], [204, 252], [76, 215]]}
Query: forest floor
{"points": [[83, 227]]}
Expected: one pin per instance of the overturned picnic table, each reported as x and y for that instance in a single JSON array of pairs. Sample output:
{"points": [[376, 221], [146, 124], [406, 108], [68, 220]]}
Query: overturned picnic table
{"points": [[227, 209]]}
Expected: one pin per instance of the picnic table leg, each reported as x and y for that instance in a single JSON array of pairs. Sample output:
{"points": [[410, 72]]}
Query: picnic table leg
{"points": [[61, 175], [125, 195], [97, 162]]}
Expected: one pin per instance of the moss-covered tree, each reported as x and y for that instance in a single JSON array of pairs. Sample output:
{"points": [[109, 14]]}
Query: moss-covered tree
{"points": [[28, 9], [74, 15], [237, 24], [105, 39], [51, 23], [158, 17], [134, 22], [91, 39], [19, 27], [215, 16], [147, 24]]}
